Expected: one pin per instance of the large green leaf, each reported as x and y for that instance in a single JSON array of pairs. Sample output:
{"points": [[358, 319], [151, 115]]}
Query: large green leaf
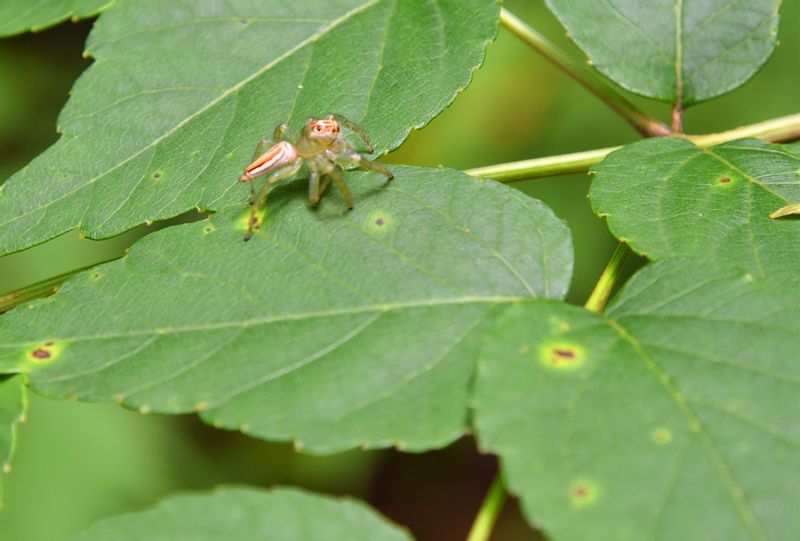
{"points": [[247, 514], [18, 16], [168, 116], [687, 50], [12, 412], [330, 327], [670, 198], [673, 418]]}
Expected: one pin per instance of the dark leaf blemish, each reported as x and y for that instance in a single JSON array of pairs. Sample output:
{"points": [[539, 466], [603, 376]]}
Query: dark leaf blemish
{"points": [[40, 353]]}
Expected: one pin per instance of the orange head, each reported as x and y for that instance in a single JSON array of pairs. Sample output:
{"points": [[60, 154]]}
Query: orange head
{"points": [[326, 128]]}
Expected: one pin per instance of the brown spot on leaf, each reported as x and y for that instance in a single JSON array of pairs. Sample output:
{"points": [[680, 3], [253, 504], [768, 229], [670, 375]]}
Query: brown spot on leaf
{"points": [[583, 493], [559, 354], [40, 353], [563, 355]]}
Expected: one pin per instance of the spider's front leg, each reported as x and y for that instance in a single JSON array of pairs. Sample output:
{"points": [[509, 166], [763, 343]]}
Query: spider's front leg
{"points": [[354, 158], [284, 130], [355, 128]]}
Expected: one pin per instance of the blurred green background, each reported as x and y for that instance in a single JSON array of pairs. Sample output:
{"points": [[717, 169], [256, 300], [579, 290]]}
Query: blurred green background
{"points": [[78, 462]]}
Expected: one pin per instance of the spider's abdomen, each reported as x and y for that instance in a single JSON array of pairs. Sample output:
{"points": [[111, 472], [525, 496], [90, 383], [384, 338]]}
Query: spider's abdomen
{"points": [[278, 155]]}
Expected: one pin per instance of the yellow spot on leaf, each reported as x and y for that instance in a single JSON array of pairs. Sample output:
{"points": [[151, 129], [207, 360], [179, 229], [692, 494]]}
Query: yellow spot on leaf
{"points": [[379, 222], [583, 493], [45, 352], [243, 221], [566, 356], [661, 435]]}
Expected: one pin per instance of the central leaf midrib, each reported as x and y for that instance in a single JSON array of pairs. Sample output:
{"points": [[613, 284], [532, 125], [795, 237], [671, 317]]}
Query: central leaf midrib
{"points": [[297, 316], [750, 178], [311, 39], [745, 510]]}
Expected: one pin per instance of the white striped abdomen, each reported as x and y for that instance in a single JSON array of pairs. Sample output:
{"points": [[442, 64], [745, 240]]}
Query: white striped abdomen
{"points": [[281, 154]]}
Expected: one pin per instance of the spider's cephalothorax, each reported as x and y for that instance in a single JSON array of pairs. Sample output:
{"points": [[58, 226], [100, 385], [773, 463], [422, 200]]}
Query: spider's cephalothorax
{"points": [[322, 145]]}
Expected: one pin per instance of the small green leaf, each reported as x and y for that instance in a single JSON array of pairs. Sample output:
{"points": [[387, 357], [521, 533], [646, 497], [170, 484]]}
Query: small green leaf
{"points": [[169, 115], [248, 514], [670, 198], [17, 16], [330, 327], [12, 412], [683, 399], [687, 50]]}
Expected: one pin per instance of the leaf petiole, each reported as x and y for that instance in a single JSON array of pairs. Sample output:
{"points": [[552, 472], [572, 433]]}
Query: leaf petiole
{"points": [[489, 511], [605, 284]]}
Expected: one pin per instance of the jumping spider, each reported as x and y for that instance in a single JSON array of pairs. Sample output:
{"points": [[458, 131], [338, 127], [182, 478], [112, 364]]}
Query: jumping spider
{"points": [[322, 145]]}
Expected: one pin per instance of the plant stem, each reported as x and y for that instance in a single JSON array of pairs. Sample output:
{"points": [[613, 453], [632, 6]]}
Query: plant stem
{"points": [[645, 125], [776, 130], [489, 511], [602, 289], [677, 118], [550, 166]]}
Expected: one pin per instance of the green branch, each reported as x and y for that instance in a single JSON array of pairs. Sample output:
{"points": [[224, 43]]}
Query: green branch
{"points": [[550, 166], [644, 124], [777, 130], [489, 511], [605, 284]]}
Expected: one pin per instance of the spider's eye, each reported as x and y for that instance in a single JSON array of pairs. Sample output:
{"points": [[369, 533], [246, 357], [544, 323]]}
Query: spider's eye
{"points": [[317, 128]]}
